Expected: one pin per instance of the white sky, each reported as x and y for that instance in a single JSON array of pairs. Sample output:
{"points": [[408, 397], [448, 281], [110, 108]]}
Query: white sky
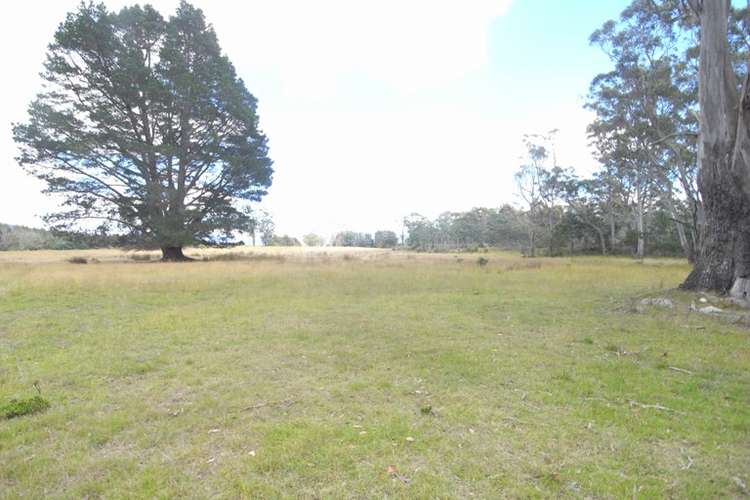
{"points": [[374, 109]]}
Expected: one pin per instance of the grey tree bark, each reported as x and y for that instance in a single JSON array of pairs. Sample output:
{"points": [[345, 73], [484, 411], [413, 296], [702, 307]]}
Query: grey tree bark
{"points": [[723, 262]]}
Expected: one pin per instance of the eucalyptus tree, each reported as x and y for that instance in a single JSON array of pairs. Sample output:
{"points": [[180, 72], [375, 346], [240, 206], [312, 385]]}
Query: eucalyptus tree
{"points": [[645, 113], [145, 127], [627, 165], [385, 239], [264, 224], [313, 240], [422, 232], [530, 184]]}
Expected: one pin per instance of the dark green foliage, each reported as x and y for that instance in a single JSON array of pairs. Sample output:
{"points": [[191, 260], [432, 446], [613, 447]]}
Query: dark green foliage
{"points": [[385, 239], [353, 239], [426, 410], [145, 127], [78, 260], [284, 241], [382, 239], [21, 407], [483, 261], [467, 231], [27, 238], [313, 240]]}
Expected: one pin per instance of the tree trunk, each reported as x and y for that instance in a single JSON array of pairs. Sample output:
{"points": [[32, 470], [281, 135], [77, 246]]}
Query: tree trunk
{"points": [[641, 248], [686, 245], [173, 254], [723, 262], [532, 252], [602, 241]]}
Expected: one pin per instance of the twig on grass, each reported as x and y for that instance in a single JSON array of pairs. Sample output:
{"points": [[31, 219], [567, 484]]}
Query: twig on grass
{"points": [[681, 370], [654, 406], [515, 420], [689, 462], [284, 403], [638, 404]]}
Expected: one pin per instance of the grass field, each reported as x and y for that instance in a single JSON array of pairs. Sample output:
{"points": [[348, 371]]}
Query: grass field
{"points": [[354, 374]]}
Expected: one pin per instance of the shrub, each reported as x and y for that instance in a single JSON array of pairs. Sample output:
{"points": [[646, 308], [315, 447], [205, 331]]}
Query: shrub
{"points": [[483, 261], [140, 257], [20, 407], [235, 256], [78, 260]]}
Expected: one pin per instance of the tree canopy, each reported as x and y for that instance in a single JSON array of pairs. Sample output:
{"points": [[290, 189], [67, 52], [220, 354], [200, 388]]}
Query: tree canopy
{"points": [[145, 128]]}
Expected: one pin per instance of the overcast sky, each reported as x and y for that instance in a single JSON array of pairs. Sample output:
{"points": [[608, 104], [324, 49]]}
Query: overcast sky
{"points": [[374, 109]]}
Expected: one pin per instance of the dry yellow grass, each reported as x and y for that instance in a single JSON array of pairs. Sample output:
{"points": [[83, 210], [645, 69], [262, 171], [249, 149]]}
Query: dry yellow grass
{"points": [[345, 373]]}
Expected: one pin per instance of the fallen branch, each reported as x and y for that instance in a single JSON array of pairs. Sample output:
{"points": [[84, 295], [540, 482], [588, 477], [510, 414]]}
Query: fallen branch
{"points": [[654, 406], [681, 370], [636, 403]]}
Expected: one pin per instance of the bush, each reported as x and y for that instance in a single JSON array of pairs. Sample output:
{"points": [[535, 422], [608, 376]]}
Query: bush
{"points": [[78, 260], [20, 407], [140, 257], [235, 256], [483, 261]]}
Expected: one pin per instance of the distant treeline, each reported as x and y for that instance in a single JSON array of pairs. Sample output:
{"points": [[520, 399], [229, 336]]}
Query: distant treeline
{"points": [[29, 238], [381, 239], [555, 230], [477, 228]]}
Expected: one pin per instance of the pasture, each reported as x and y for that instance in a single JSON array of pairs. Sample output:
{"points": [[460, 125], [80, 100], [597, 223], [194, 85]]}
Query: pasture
{"points": [[337, 373]]}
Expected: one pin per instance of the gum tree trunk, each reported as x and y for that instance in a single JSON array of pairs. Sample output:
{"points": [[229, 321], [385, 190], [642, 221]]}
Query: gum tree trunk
{"points": [[723, 261], [639, 225]]}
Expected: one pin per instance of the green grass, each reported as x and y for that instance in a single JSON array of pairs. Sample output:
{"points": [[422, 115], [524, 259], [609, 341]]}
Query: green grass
{"points": [[21, 407], [401, 376]]}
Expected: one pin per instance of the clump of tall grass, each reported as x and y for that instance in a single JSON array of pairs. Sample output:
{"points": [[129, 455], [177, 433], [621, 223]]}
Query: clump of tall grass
{"points": [[533, 264], [239, 256], [138, 257], [20, 407]]}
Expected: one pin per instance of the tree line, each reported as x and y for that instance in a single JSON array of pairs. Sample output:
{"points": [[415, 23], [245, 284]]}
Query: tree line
{"points": [[13, 237]]}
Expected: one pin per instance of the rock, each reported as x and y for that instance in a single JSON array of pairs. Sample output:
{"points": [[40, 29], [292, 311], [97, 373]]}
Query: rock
{"points": [[710, 310], [658, 302]]}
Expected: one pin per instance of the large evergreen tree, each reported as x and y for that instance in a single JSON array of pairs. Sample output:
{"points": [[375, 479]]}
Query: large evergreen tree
{"points": [[145, 127]]}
